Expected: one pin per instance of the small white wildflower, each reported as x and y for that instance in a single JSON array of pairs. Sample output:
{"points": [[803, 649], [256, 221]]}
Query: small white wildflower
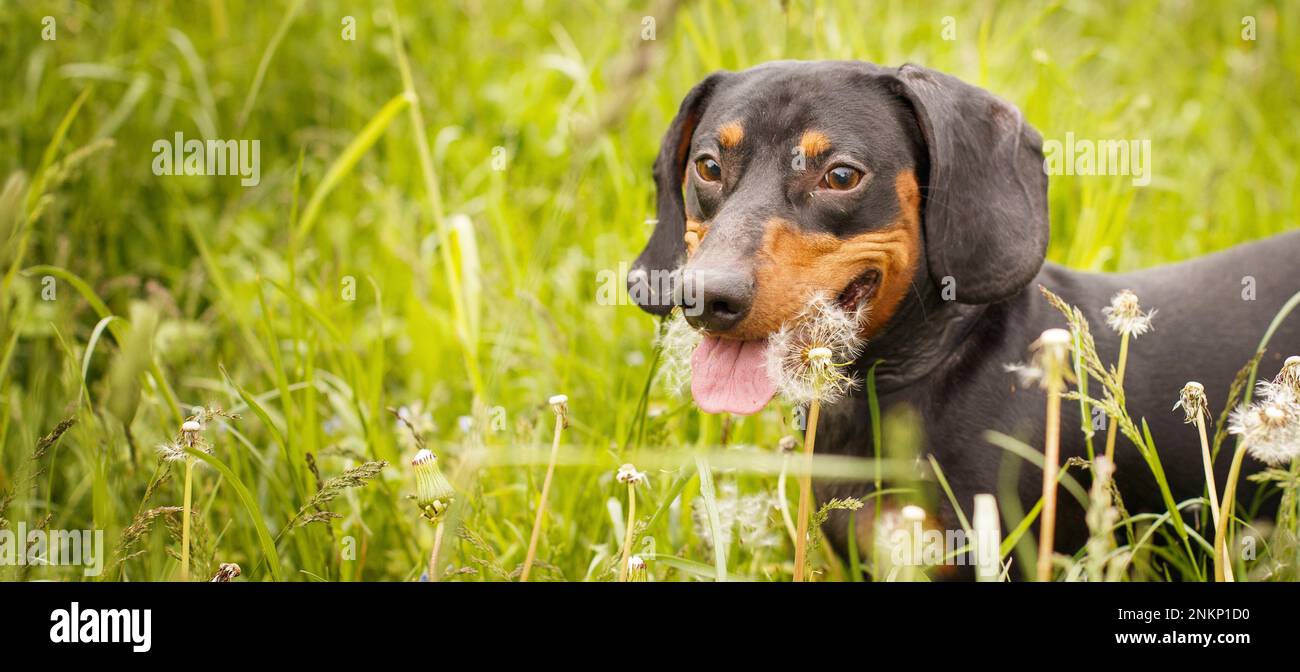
{"points": [[191, 427], [628, 474], [805, 355], [1270, 429], [1125, 315], [1193, 402], [787, 444]]}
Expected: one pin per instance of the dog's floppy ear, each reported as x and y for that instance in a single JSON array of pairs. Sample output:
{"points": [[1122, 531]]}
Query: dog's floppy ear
{"points": [[985, 216], [666, 250]]}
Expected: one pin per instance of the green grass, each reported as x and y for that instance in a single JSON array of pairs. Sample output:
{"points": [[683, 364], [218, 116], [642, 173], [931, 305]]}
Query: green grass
{"points": [[371, 270]]}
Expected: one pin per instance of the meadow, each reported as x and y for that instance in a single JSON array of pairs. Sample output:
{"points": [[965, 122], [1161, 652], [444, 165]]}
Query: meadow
{"points": [[443, 188]]}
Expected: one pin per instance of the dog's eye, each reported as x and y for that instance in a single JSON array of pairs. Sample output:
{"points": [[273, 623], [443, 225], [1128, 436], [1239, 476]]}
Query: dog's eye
{"points": [[841, 178], [708, 169]]}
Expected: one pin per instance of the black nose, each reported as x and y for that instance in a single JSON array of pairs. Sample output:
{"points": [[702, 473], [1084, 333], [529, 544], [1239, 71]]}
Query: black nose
{"points": [[716, 300]]}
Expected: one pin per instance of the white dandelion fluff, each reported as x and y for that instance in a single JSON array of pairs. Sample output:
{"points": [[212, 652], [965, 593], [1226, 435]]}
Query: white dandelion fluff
{"points": [[1125, 316], [806, 355], [1285, 388], [676, 343], [1270, 430], [1049, 354]]}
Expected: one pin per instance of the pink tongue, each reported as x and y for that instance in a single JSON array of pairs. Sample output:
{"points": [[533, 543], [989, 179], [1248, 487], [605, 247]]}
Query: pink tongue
{"points": [[730, 376]]}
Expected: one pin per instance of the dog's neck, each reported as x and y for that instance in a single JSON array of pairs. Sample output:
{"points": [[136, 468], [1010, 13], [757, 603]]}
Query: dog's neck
{"points": [[926, 335]]}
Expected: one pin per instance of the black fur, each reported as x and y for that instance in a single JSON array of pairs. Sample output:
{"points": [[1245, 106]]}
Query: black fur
{"points": [[985, 229]]}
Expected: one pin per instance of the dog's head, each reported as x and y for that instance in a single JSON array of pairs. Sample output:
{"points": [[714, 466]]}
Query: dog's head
{"points": [[845, 179], [795, 177]]}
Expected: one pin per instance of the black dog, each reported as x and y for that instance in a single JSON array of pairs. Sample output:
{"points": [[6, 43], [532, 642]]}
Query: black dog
{"points": [[926, 198]]}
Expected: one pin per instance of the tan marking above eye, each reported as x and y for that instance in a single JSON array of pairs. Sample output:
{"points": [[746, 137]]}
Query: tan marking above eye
{"points": [[695, 232], [793, 264], [730, 135], [813, 143]]}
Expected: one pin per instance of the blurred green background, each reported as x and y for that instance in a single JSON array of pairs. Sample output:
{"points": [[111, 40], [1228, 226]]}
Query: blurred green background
{"points": [[471, 302]]}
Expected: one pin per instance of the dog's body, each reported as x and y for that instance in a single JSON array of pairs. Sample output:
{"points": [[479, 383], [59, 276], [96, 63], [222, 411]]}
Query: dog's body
{"points": [[923, 200], [949, 366]]}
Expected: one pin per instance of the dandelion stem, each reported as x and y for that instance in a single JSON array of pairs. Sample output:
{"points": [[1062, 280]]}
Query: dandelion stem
{"points": [[433, 554], [541, 505], [185, 520], [1111, 427], [627, 536], [1051, 465], [1209, 482], [805, 491], [1225, 515]]}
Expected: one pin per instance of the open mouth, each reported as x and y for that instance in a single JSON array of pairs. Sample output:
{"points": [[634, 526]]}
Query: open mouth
{"points": [[860, 291], [729, 376]]}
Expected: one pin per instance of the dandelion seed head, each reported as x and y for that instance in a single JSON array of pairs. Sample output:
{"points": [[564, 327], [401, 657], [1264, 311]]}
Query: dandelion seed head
{"points": [[1049, 361], [805, 357], [560, 404], [1277, 392], [628, 474], [913, 513], [676, 343], [747, 517], [1270, 430], [172, 452], [1193, 402], [434, 493], [1289, 376], [1125, 316]]}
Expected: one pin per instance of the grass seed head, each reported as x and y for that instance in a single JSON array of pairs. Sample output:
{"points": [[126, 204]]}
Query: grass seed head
{"points": [[1125, 315]]}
